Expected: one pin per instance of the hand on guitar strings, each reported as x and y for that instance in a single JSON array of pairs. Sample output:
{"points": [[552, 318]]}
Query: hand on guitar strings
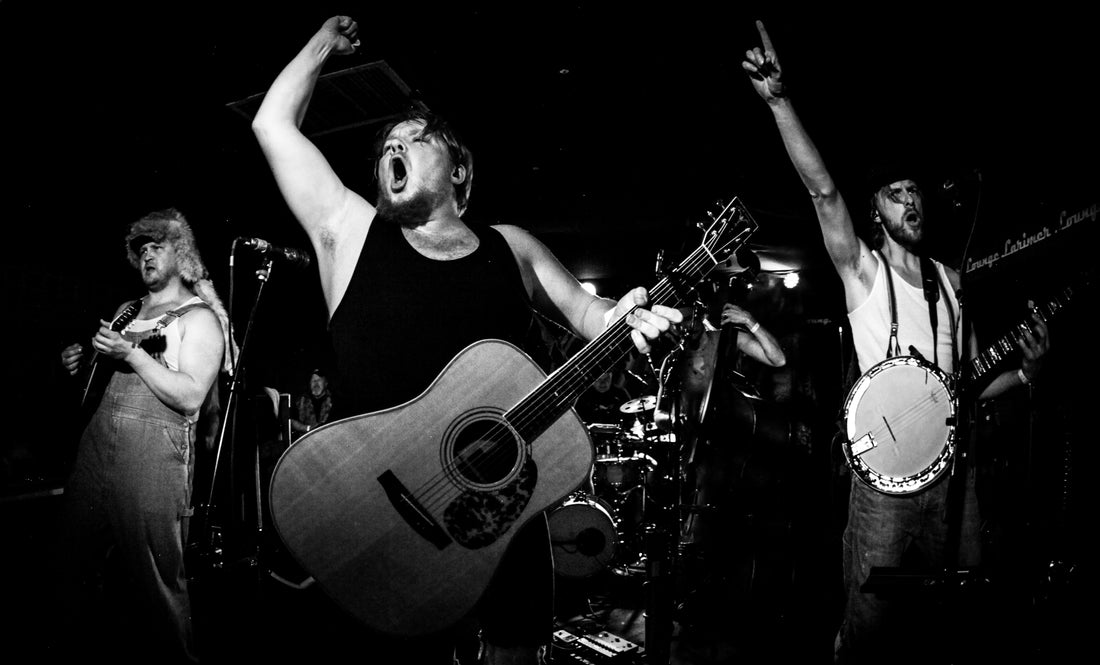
{"points": [[648, 324], [110, 343], [1034, 342]]}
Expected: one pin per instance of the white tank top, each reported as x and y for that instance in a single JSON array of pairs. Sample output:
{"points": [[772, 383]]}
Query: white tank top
{"points": [[171, 332], [871, 320]]}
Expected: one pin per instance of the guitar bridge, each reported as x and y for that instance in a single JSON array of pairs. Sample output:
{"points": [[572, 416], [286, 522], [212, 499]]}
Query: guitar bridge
{"points": [[413, 513]]}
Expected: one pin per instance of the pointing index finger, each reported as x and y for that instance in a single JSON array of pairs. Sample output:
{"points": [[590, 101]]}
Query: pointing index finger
{"points": [[764, 38]]}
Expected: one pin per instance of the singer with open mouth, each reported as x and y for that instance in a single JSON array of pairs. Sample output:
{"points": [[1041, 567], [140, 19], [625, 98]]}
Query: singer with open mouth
{"points": [[409, 283]]}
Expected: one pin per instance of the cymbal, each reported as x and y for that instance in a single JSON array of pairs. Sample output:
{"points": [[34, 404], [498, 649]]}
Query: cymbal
{"points": [[647, 403]]}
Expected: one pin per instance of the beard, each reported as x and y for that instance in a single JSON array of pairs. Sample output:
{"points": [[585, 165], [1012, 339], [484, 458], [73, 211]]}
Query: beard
{"points": [[414, 211], [905, 235]]}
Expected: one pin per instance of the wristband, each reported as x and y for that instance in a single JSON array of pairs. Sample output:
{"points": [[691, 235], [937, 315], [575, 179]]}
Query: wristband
{"points": [[755, 327], [1023, 377]]}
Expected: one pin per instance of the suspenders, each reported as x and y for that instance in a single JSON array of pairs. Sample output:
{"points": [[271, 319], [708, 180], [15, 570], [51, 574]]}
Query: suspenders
{"points": [[933, 287]]}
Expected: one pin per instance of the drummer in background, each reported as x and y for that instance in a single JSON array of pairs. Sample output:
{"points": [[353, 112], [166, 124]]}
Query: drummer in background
{"points": [[600, 404]]}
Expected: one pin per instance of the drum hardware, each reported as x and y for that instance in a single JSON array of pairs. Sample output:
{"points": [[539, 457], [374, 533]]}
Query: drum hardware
{"points": [[604, 429]]}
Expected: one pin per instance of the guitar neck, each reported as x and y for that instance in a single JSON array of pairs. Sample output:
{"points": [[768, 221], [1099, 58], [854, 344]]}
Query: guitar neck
{"points": [[988, 360], [89, 368], [562, 388]]}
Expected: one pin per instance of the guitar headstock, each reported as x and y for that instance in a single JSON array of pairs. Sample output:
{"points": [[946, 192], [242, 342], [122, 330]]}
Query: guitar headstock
{"points": [[728, 227], [127, 315]]}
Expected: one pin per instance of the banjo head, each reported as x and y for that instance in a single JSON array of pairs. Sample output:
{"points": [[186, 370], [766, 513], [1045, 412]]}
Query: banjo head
{"points": [[900, 423]]}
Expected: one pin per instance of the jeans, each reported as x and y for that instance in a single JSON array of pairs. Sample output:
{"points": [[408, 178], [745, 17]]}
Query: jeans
{"points": [[888, 531]]}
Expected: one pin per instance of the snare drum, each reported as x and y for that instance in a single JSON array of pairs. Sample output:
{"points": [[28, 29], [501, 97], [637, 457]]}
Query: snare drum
{"points": [[583, 536]]}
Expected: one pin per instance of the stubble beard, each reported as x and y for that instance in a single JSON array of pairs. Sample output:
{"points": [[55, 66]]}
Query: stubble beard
{"points": [[413, 211], [906, 236]]}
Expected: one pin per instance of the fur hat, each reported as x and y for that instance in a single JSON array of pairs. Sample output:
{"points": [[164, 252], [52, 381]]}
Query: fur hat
{"points": [[171, 227], [167, 226]]}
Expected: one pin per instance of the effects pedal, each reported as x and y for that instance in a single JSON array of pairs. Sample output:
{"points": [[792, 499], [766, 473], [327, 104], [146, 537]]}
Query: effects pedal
{"points": [[592, 649]]}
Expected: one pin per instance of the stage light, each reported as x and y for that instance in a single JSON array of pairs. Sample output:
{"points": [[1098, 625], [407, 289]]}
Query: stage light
{"points": [[790, 280], [589, 286]]}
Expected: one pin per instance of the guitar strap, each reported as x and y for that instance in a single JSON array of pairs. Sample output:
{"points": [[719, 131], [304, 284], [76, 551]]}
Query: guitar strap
{"points": [[933, 287]]}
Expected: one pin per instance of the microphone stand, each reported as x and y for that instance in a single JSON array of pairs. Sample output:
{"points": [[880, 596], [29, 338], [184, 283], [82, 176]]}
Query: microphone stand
{"points": [[208, 540]]}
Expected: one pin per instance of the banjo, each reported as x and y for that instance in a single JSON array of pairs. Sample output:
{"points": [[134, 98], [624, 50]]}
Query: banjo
{"points": [[900, 417]]}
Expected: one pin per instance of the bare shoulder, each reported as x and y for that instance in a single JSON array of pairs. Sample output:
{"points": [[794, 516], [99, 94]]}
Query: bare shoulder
{"points": [[953, 277], [523, 243], [200, 322], [863, 269], [859, 277], [515, 235]]}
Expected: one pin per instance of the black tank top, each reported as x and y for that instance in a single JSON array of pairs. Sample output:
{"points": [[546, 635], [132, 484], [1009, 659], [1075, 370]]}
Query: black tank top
{"points": [[404, 316]]}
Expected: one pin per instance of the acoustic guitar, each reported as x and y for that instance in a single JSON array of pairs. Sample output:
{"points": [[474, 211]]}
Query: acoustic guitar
{"points": [[403, 515]]}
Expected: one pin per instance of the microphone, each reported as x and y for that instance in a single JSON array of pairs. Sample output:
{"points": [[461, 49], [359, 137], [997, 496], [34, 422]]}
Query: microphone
{"points": [[294, 257], [952, 186]]}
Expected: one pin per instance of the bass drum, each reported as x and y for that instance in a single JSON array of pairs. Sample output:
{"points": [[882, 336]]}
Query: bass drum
{"points": [[583, 536]]}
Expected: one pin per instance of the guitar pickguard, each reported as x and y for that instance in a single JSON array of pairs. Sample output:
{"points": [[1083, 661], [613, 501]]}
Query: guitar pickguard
{"points": [[478, 519]]}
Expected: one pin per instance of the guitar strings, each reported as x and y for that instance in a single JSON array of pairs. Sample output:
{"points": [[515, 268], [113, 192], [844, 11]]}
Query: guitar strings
{"points": [[585, 361], [917, 411], [985, 360], [434, 492]]}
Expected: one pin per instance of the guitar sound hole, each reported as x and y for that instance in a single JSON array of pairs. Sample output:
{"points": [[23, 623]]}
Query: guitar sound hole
{"points": [[485, 452]]}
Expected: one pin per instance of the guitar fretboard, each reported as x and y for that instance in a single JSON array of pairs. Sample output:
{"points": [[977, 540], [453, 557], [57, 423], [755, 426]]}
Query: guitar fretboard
{"points": [[545, 404]]}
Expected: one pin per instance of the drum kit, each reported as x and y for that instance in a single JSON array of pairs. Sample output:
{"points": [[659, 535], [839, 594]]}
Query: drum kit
{"points": [[600, 526]]}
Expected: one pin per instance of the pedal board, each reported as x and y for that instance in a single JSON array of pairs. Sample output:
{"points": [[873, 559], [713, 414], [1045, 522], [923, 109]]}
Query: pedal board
{"points": [[592, 648]]}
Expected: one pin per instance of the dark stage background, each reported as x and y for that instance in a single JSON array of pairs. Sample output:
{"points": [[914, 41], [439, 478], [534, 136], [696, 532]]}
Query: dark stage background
{"points": [[606, 132]]}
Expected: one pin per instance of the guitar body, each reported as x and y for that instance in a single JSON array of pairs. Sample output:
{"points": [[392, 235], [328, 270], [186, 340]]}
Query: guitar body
{"points": [[403, 515]]}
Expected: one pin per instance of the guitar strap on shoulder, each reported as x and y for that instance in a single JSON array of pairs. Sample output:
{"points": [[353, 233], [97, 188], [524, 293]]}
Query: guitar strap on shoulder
{"points": [[933, 287], [892, 346], [930, 281]]}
